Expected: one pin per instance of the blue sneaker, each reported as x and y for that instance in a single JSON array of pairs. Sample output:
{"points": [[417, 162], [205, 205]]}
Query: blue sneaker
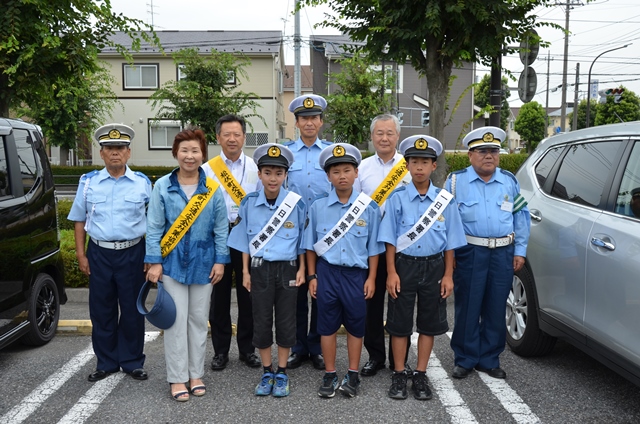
{"points": [[266, 385], [329, 385], [281, 386], [350, 384]]}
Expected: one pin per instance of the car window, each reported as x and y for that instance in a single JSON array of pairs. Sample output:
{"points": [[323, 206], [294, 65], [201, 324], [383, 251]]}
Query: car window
{"points": [[628, 202], [5, 187], [543, 168], [583, 172], [27, 158]]}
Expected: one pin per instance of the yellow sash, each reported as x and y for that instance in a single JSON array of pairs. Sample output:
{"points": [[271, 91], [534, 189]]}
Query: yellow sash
{"points": [[227, 179], [390, 182], [187, 217]]}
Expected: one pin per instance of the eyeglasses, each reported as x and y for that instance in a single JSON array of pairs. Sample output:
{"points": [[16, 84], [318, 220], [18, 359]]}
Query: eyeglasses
{"points": [[484, 152]]}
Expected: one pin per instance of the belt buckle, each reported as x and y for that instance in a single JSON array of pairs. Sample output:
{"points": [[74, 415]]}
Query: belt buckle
{"points": [[491, 243]]}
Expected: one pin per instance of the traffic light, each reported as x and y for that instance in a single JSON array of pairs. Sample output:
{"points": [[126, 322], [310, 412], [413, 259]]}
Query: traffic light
{"points": [[400, 115], [616, 93], [425, 118]]}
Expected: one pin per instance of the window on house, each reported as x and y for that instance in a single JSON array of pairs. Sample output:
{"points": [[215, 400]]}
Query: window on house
{"points": [[256, 139], [389, 76], [231, 78], [180, 75], [162, 133], [139, 76]]}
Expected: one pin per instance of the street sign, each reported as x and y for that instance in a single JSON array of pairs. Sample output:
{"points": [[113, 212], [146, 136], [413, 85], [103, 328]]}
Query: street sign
{"points": [[527, 84], [529, 48]]}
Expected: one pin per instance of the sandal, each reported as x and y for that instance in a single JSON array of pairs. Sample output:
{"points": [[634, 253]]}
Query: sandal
{"points": [[181, 395], [198, 389]]}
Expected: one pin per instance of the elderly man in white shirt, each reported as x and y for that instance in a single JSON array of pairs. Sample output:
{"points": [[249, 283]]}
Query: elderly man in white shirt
{"points": [[237, 175], [378, 176]]}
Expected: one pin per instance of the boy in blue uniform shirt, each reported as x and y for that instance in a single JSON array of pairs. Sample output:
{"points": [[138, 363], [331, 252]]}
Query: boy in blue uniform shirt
{"points": [[421, 227], [342, 247], [269, 238]]}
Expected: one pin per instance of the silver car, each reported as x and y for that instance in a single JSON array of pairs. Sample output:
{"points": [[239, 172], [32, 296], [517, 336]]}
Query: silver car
{"points": [[581, 282]]}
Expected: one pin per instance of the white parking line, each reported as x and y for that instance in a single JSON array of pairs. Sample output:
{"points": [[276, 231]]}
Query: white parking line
{"points": [[87, 405], [448, 395], [39, 395], [509, 399]]}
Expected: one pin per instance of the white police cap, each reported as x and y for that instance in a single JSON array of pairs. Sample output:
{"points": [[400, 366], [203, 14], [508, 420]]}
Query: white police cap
{"points": [[114, 135], [307, 104], [273, 154], [422, 146], [484, 137], [339, 153]]}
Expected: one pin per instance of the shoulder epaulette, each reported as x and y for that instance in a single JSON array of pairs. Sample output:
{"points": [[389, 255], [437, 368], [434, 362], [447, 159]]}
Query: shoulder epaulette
{"points": [[90, 174], [320, 196], [140, 174], [509, 173], [288, 143], [459, 171], [397, 190], [248, 196], [326, 143]]}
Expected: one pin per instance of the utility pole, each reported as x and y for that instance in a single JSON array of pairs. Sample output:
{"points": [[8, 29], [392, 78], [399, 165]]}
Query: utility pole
{"points": [[563, 113], [495, 91], [297, 84], [546, 108], [574, 126]]}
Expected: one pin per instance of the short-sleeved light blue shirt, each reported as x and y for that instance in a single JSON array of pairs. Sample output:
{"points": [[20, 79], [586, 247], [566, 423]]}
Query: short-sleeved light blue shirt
{"points": [[254, 214], [358, 244], [112, 209], [405, 207], [306, 176]]}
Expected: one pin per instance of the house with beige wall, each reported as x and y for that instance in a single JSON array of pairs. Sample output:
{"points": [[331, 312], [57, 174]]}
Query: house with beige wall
{"points": [[306, 87], [135, 82]]}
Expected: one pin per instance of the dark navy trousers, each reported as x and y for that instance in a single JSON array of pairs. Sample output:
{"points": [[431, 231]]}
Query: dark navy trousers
{"points": [[482, 280], [115, 282]]}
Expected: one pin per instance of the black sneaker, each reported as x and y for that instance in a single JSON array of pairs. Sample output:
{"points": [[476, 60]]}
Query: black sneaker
{"points": [[350, 384], [420, 388], [398, 389], [329, 385]]}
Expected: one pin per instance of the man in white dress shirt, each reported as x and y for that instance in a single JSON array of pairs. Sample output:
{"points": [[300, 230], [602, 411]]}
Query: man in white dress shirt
{"points": [[237, 175], [378, 176]]}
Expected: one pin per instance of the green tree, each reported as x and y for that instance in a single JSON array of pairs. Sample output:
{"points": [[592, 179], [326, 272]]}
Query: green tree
{"points": [[360, 97], [205, 95], [627, 109], [434, 36], [481, 98], [582, 114], [49, 68], [531, 124]]}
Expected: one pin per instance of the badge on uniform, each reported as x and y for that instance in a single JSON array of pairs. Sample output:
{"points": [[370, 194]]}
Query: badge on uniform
{"points": [[288, 224], [361, 223], [440, 218]]}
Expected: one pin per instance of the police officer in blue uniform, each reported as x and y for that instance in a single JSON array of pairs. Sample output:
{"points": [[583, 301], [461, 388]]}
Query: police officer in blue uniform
{"points": [[496, 223], [308, 179], [110, 208]]}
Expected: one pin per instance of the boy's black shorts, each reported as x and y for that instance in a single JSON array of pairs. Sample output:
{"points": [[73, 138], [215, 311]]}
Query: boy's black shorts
{"points": [[419, 276]]}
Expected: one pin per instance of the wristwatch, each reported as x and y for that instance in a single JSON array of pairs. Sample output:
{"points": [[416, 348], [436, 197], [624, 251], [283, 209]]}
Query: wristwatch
{"points": [[311, 277]]}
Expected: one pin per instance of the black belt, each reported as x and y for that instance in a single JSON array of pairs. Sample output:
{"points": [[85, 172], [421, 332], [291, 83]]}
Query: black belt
{"points": [[420, 258]]}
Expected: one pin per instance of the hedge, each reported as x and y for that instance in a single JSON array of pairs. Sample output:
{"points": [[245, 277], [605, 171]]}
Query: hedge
{"points": [[75, 278]]}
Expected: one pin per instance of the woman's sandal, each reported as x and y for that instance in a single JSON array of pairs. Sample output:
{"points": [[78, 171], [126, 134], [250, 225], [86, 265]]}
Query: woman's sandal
{"points": [[199, 390], [181, 395]]}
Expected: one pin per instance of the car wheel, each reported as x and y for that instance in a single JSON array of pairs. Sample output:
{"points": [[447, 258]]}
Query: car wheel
{"points": [[44, 311], [524, 336]]}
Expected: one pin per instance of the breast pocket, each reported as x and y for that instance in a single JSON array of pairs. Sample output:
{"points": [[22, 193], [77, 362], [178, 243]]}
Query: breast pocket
{"points": [[467, 210], [133, 207], [505, 216], [97, 206]]}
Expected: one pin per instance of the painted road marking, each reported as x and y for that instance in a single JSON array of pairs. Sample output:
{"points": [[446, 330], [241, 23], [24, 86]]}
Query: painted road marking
{"points": [[509, 399]]}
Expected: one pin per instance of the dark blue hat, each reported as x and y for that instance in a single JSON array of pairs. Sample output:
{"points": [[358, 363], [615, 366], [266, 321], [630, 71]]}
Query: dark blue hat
{"points": [[163, 313]]}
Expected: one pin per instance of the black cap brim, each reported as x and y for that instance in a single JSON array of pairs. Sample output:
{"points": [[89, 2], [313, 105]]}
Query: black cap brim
{"points": [[343, 159], [269, 161], [415, 153]]}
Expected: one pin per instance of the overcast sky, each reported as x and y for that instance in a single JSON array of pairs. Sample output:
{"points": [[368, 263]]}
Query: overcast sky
{"points": [[595, 27]]}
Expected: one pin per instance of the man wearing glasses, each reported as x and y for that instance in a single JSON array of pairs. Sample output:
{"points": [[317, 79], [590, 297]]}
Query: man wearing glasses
{"points": [[496, 223]]}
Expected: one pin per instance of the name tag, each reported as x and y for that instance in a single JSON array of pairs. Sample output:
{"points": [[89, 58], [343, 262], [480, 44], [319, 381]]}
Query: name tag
{"points": [[507, 206]]}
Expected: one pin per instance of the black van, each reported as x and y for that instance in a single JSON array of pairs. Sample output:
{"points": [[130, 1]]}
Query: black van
{"points": [[31, 268]]}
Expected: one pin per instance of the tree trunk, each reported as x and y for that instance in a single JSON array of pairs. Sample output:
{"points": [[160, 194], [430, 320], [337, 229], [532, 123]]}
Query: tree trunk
{"points": [[438, 72], [5, 95]]}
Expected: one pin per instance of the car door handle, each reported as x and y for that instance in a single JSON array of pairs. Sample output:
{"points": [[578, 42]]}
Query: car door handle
{"points": [[601, 243], [535, 217]]}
